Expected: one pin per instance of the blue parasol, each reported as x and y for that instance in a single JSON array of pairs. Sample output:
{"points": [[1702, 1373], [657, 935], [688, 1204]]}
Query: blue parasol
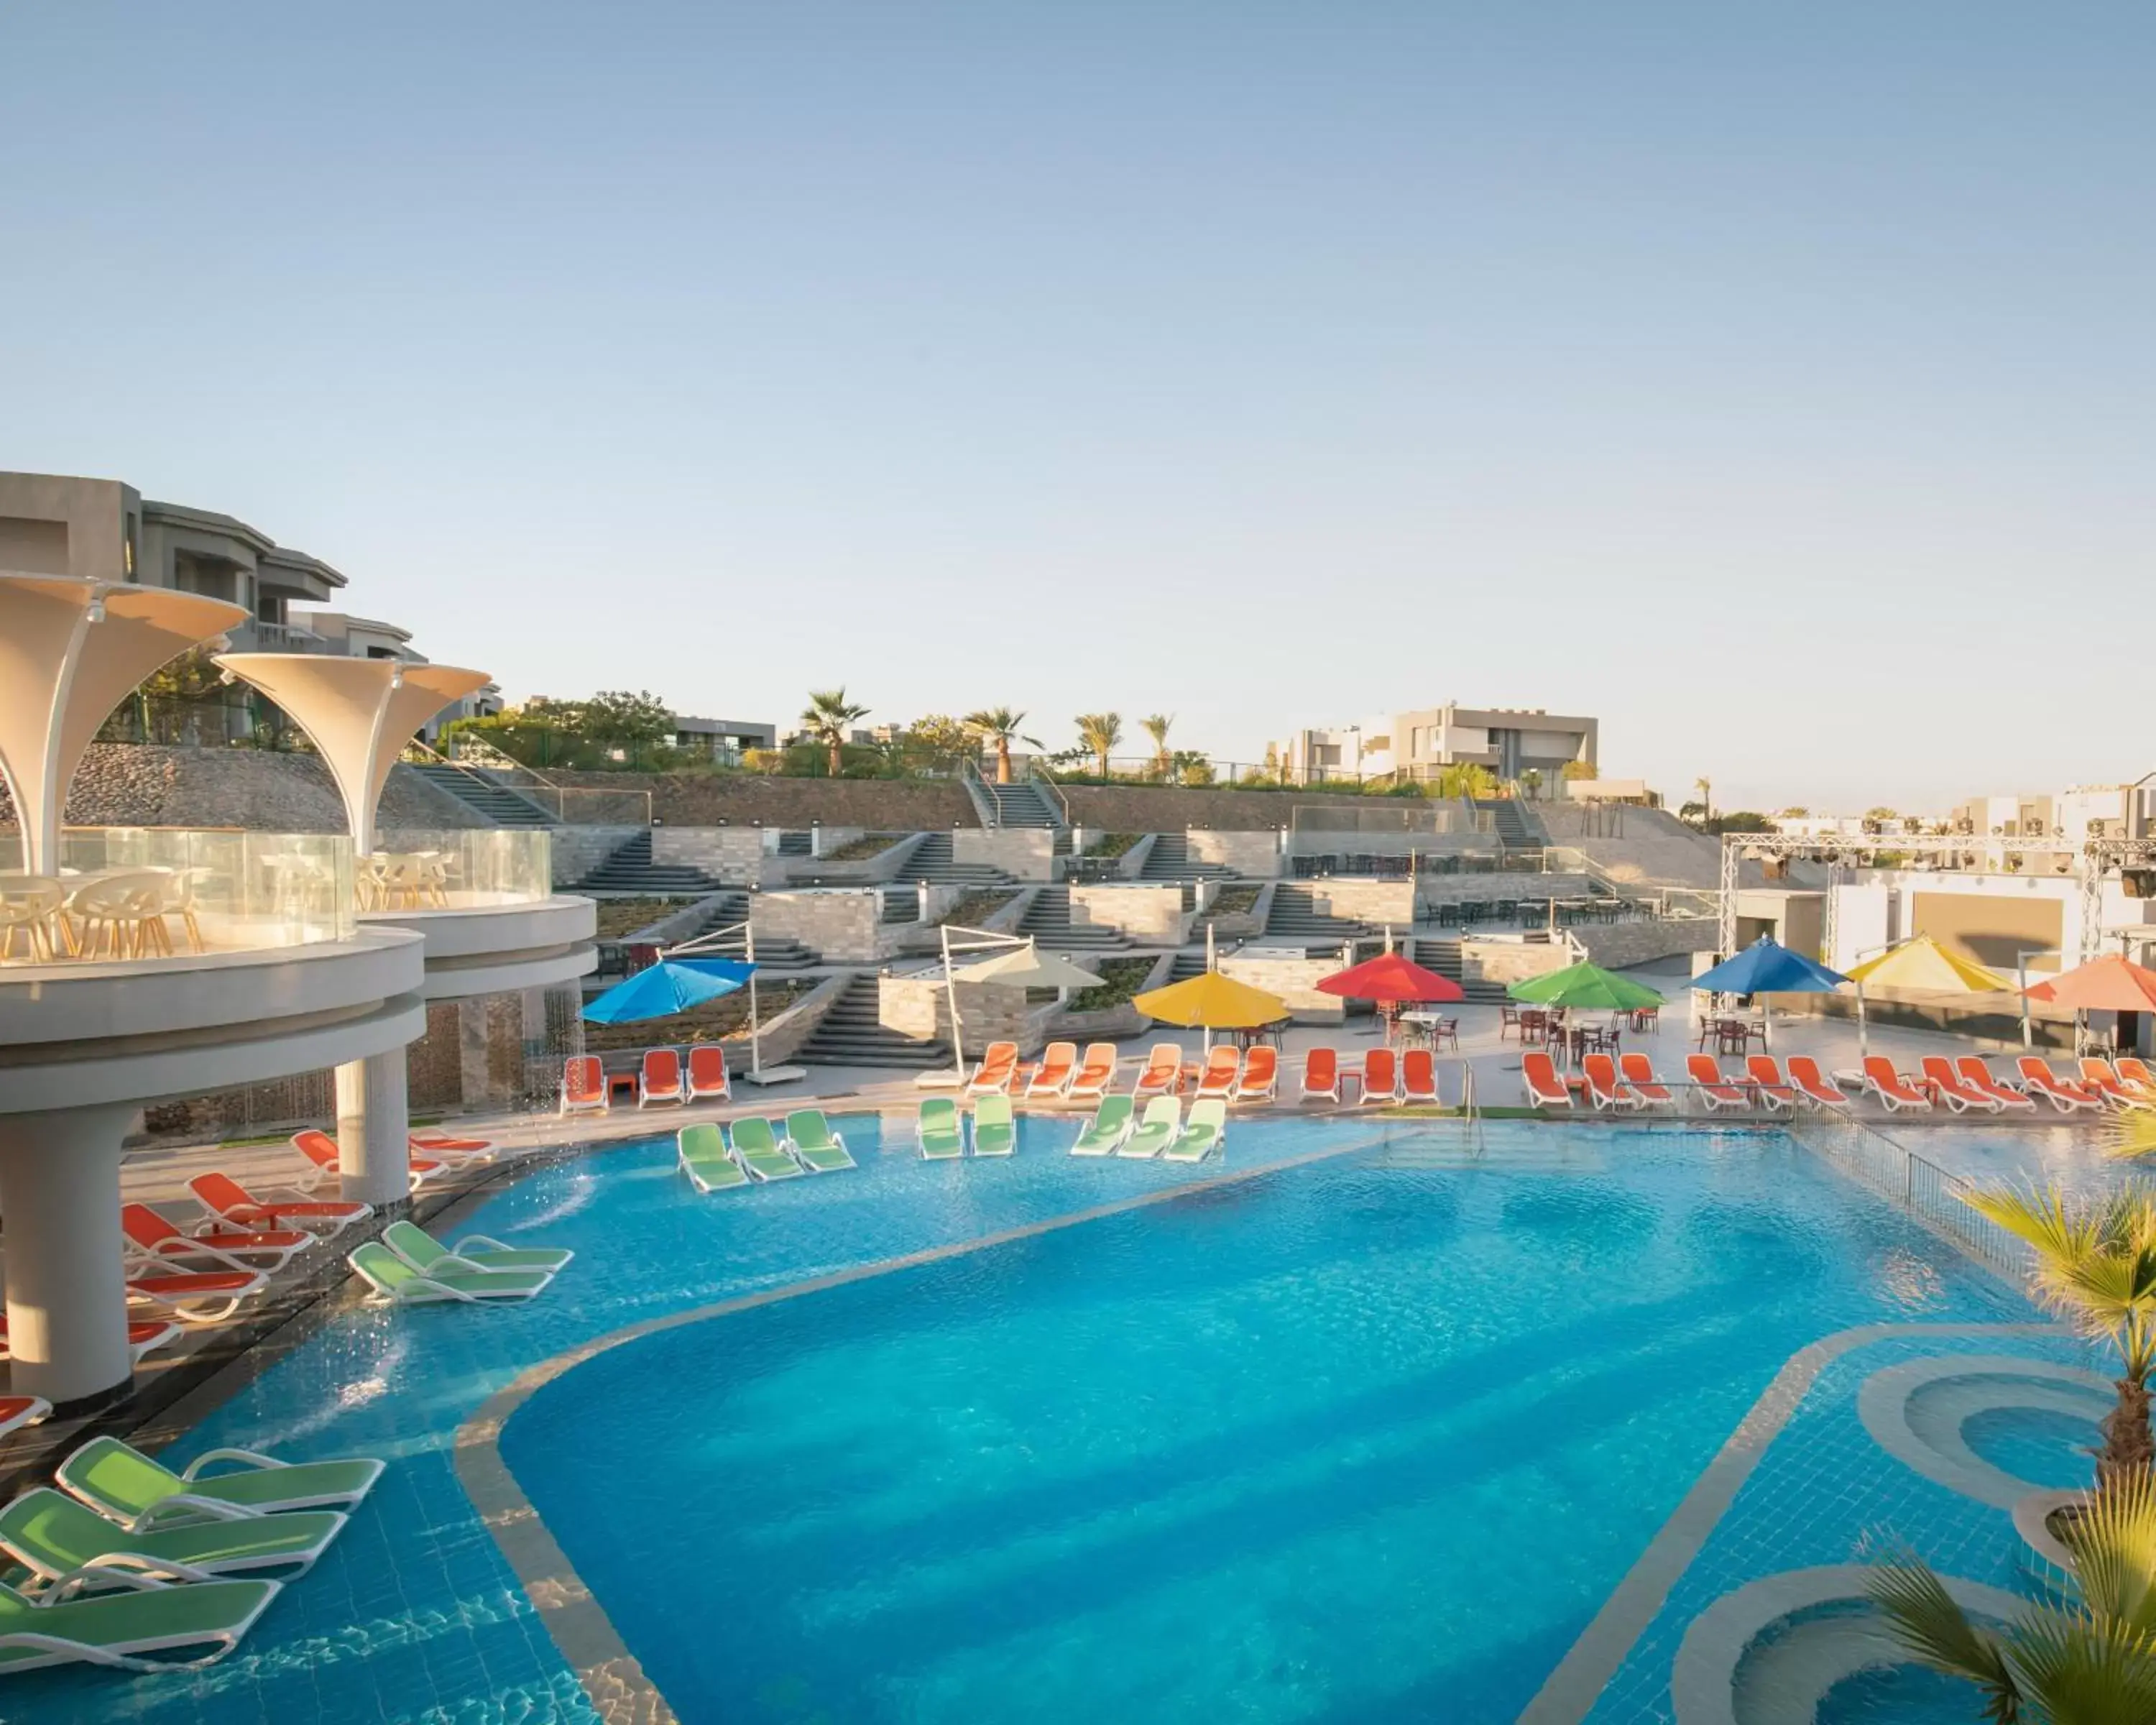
{"points": [[670, 986], [1767, 966]]}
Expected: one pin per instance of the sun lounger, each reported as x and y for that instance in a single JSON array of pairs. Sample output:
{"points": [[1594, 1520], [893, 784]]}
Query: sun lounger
{"points": [[1095, 1076], [17, 1411], [998, 1067], [2136, 1074], [1223, 1069], [1950, 1086], [1768, 1084], [1059, 1066], [1538, 1076], [2097, 1076], [396, 1282], [995, 1133], [130, 1630], [1381, 1078], [69, 1548], [1819, 1091], [1893, 1088], [1712, 1088], [1419, 1077], [2062, 1094], [756, 1148], [938, 1130], [1977, 1075], [1605, 1090], [814, 1145], [144, 1336], [455, 1153], [584, 1086], [1104, 1133], [321, 1150], [474, 1252], [1260, 1078], [150, 1238], [1163, 1121], [1320, 1076], [699, 1151], [659, 1078], [709, 1080], [136, 1492], [1162, 1075], [196, 1297], [1203, 1133], [224, 1196], [1639, 1076]]}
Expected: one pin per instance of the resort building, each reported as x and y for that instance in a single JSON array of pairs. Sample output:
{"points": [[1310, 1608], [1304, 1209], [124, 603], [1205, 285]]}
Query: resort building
{"points": [[722, 739], [1420, 743]]}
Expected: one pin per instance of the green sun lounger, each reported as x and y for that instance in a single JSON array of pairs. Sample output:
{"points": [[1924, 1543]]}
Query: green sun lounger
{"points": [[1204, 1132], [398, 1283], [703, 1156], [937, 1130], [1163, 1117], [818, 1149], [757, 1149], [995, 1133], [69, 1548], [124, 1629], [474, 1252], [1108, 1127], [125, 1486]]}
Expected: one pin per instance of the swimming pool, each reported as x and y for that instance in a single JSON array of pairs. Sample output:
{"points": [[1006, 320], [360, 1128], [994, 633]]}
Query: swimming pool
{"points": [[1366, 1431]]}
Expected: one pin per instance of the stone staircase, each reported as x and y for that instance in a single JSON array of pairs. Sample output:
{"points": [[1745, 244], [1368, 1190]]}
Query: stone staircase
{"points": [[901, 904], [1436, 952], [629, 870], [1187, 965], [1024, 803], [1170, 859], [1048, 921], [850, 1035], [933, 862], [1296, 918], [773, 954], [501, 806], [1515, 824]]}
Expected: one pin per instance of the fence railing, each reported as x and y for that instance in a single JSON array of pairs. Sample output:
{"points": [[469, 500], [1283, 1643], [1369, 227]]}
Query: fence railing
{"points": [[1919, 1188]]}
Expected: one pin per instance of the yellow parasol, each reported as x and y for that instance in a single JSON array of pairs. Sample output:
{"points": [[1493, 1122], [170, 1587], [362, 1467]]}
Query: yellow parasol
{"points": [[1926, 967], [1217, 1002]]}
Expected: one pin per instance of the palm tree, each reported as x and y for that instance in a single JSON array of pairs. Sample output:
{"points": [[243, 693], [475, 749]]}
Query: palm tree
{"points": [[1706, 789], [829, 718], [1100, 733], [998, 725], [2096, 1267], [2089, 1659], [1156, 726]]}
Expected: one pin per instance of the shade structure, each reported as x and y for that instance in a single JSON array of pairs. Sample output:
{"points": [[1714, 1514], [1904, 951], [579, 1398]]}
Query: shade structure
{"points": [[1028, 967], [660, 991], [70, 651], [361, 712], [1391, 979], [1214, 1001], [2111, 983], [1587, 986], [1924, 965], [1767, 966]]}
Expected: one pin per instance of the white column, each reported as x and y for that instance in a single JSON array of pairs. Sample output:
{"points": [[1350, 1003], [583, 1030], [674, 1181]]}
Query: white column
{"points": [[67, 1299], [374, 1154]]}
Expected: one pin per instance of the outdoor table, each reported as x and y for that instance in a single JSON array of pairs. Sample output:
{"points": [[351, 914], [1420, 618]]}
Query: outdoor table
{"points": [[1250, 1038], [617, 1082]]}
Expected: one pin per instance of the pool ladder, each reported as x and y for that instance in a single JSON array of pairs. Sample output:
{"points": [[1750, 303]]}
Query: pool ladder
{"points": [[1471, 1110]]}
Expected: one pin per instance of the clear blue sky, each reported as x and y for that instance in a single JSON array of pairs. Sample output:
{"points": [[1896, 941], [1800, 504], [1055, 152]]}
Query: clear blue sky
{"points": [[1775, 382]]}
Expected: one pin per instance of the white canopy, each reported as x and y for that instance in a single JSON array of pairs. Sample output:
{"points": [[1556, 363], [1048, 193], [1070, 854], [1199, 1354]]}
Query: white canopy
{"points": [[1028, 967]]}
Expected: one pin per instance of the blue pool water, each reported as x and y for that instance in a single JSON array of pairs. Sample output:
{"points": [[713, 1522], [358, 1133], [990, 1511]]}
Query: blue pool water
{"points": [[1349, 1440]]}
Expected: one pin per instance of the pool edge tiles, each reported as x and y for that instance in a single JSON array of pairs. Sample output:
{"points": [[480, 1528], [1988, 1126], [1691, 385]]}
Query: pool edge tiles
{"points": [[1570, 1692], [619, 1690]]}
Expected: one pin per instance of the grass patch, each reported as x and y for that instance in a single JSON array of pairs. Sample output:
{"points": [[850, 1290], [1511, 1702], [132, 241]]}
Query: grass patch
{"points": [[1113, 845], [976, 908], [621, 917], [860, 850], [713, 1021], [251, 1143], [1121, 980], [1232, 902]]}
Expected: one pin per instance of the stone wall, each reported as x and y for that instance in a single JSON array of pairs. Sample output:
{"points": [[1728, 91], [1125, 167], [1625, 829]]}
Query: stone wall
{"points": [[871, 805], [1383, 902], [888, 864], [1257, 854], [1433, 889], [1176, 808], [578, 850], [920, 1006], [843, 924], [734, 855], [1622, 944], [163, 785], [1150, 914], [1023, 853], [786, 1036], [1294, 978], [1511, 961]]}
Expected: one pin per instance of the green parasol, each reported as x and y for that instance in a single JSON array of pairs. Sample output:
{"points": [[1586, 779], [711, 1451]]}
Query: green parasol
{"points": [[1585, 985]]}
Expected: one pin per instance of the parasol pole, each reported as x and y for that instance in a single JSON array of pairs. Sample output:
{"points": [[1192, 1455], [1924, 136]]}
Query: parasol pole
{"points": [[950, 992], [755, 1029], [1863, 1044]]}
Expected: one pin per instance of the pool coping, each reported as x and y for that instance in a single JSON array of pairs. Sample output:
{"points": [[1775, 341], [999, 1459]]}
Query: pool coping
{"points": [[620, 1690]]}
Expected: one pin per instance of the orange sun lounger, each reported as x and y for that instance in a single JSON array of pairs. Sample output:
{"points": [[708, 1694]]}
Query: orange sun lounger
{"points": [[1059, 1066], [1716, 1090], [1381, 1076], [1224, 1067], [1820, 1092], [1639, 1073], [1418, 1076], [709, 1080], [1260, 1078], [1320, 1076], [1095, 1074], [584, 1086], [1544, 1088], [1161, 1075]]}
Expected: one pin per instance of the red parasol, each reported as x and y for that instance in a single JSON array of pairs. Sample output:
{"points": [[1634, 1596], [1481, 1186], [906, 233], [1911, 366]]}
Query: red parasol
{"points": [[2111, 983], [1391, 979]]}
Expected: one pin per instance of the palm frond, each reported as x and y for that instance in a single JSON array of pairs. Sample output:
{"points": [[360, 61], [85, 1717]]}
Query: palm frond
{"points": [[2040, 1217], [1927, 1621], [2114, 1553], [2078, 1668]]}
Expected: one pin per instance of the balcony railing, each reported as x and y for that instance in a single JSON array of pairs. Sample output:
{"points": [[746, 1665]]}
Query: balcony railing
{"points": [[456, 869], [284, 638]]}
